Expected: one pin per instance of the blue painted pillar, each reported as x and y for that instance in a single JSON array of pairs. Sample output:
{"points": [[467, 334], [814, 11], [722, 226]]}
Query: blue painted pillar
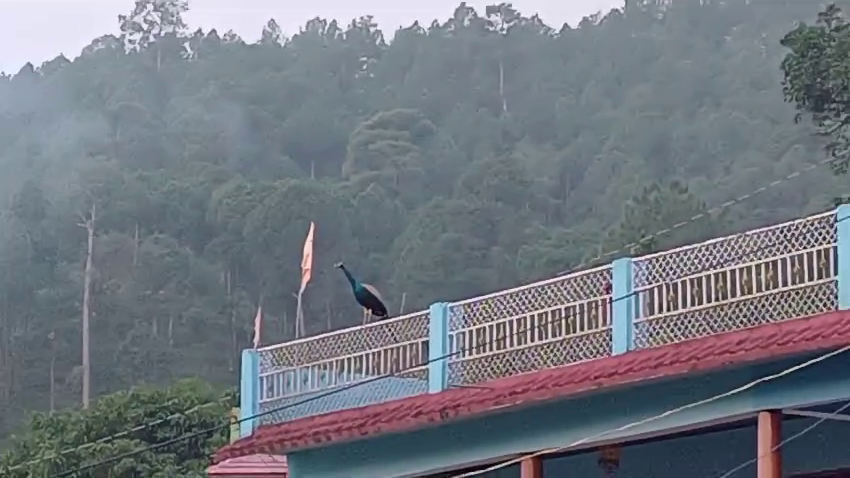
{"points": [[623, 306], [249, 391], [438, 347], [842, 224]]}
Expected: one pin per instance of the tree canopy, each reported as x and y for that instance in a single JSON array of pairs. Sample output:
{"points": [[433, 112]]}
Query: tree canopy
{"points": [[138, 419], [816, 74], [438, 161]]}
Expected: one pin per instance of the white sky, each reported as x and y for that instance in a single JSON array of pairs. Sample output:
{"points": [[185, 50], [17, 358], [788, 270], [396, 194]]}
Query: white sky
{"points": [[38, 30]]}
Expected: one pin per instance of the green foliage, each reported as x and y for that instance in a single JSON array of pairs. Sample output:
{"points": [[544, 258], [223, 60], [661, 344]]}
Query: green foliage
{"points": [[50, 434], [659, 208], [817, 78], [482, 151]]}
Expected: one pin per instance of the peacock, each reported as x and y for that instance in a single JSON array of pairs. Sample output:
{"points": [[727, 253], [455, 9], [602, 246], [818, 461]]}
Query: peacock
{"points": [[367, 296]]}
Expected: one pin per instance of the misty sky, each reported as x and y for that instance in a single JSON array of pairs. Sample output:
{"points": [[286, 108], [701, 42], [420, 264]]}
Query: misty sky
{"points": [[38, 30]]}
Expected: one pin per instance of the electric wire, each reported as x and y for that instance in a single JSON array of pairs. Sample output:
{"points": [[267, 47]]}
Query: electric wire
{"points": [[375, 379], [581, 266], [789, 439], [578, 268], [743, 388], [122, 434]]}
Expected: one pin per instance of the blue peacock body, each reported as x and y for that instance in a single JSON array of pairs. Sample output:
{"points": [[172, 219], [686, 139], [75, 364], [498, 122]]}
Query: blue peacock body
{"points": [[366, 295]]}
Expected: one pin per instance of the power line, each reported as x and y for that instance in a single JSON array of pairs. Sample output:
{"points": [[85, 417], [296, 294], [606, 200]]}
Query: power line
{"points": [[627, 247], [653, 418], [707, 212], [121, 434], [220, 427], [375, 379], [789, 439]]}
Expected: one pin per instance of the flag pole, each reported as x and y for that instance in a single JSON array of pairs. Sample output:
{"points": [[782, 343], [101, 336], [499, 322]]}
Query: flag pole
{"points": [[299, 317]]}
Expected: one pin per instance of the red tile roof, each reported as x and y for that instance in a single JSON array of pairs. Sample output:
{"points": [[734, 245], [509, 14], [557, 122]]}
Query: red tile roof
{"points": [[809, 334], [255, 465]]}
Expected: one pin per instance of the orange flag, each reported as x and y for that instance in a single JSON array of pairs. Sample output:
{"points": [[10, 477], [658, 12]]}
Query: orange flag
{"points": [[258, 322], [307, 259]]}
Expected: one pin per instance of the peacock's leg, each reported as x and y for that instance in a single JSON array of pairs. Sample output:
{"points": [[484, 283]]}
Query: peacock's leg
{"points": [[365, 316]]}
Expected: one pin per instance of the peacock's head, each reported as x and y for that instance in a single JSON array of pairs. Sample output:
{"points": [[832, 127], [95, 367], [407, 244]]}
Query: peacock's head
{"points": [[338, 265]]}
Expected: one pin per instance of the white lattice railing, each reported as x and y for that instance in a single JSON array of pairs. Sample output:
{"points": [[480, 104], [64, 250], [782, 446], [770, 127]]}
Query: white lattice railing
{"points": [[546, 324], [766, 275], [295, 371]]}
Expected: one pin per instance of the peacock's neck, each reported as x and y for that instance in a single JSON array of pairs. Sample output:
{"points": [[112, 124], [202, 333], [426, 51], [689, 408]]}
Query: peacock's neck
{"points": [[351, 279]]}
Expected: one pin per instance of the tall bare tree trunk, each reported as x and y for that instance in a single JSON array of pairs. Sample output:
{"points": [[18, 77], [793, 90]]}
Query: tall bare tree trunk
{"points": [[89, 225], [52, 337], [136, 246], [502, 86], [5, 359], [231, 355]]}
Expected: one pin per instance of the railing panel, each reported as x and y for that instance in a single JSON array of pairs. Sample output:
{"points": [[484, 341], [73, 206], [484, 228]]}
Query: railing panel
{"points": [[542, 325], [763, 276], [766, 275], [327, 365]]}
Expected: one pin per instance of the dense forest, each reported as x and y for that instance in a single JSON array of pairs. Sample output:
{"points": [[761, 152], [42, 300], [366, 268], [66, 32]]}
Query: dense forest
{"points": [[172, 174]]}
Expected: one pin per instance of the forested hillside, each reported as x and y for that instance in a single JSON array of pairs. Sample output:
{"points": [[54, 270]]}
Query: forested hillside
{"points": [[439, 161]]}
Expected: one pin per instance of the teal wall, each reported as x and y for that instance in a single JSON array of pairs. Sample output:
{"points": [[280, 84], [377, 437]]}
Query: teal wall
{"points": [[555, 424]]}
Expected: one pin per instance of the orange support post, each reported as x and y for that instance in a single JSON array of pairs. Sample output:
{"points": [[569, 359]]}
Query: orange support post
{"points": [[769, 436], [531, 467]]}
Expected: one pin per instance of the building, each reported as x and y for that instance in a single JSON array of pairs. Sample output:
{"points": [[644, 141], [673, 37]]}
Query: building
{"points": [[251, 466], [716, 359]]}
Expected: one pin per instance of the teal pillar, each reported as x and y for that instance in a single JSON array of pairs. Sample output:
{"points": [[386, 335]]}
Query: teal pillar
{"points": [[842, 225], [249, 392], [438, 347], [623, 306]]}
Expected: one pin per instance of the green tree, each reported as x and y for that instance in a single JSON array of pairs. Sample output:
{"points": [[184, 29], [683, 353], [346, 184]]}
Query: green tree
{"points": [[42, 446], [816, 73], [663, 216], [466, 155]]}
